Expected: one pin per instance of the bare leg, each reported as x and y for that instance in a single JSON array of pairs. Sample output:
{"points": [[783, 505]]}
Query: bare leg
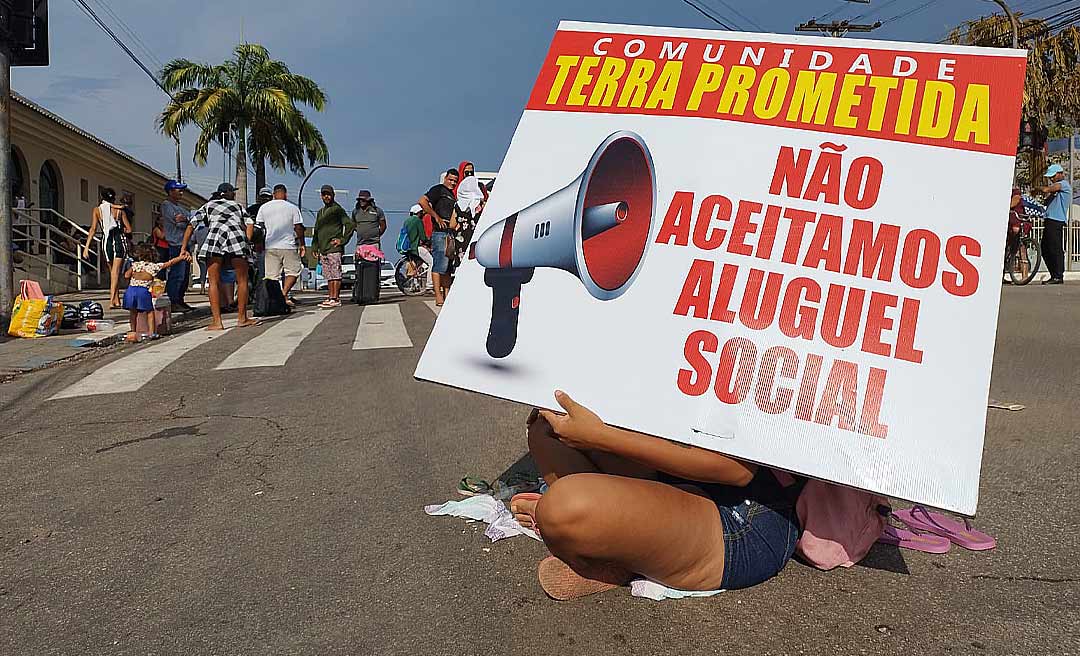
{"points": [[436, 284], [114, 282], [334, 289], [151, 321], [213, 275], [134, 317], [240, 265], [608, 527], [289, 282]]}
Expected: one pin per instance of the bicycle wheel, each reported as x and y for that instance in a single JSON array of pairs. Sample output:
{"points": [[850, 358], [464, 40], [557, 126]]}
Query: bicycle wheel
{"points": [[1024, 264], [409, 285]]}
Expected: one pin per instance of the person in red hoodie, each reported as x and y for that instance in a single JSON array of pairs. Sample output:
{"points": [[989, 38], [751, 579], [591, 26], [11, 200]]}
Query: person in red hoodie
{"points": [[471, 197]]}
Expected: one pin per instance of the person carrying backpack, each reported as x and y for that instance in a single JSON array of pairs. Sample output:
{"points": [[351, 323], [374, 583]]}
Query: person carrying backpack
{"points": [[412, 240]]}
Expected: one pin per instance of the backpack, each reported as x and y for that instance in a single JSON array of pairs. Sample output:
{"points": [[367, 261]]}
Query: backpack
{"points": [[269, 300], [404, 245], [840, 524]]}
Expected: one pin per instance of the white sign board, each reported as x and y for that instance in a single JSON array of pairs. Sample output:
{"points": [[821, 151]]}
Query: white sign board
{"points": [[781, 248]]}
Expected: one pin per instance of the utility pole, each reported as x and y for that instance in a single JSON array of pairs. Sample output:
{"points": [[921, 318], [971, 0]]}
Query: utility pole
{"points": [[839, 28], [7, 272]]}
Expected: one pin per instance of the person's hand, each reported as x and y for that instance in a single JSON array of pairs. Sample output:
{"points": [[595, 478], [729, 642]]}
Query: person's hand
{"points": [[303, 251], [335, 242], [86, 252], [184, 254], [580, 428]]}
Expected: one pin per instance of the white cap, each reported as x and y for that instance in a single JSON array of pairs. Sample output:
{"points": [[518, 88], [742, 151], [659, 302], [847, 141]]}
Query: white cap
{"points": [[416, 209]]}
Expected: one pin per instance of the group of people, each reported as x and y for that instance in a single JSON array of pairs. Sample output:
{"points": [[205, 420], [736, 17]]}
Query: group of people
{"points": [[1058, 196], [453, 207]]}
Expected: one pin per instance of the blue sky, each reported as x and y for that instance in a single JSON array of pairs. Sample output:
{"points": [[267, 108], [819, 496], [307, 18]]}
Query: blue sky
{"points": [[415, 86]]}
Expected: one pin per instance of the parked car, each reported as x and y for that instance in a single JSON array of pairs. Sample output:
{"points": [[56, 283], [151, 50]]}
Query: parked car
{"points": [[386, 275], [348, 271]]}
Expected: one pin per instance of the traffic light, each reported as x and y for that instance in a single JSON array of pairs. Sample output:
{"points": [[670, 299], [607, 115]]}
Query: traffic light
{"points": [[25, 25]]}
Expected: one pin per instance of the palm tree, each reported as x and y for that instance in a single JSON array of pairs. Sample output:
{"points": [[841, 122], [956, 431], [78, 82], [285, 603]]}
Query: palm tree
{"points": [[1052, 84], [251, 99]]}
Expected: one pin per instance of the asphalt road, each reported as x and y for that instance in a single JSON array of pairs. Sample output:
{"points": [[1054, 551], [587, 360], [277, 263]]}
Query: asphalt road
{"points": [[278, 511]]}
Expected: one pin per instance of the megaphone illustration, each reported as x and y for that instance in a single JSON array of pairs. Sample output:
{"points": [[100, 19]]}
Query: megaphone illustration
{"points": [[596, 228]]}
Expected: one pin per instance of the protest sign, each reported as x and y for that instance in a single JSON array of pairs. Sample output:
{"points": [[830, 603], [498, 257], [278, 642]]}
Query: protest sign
{"points": [[781, 248]]}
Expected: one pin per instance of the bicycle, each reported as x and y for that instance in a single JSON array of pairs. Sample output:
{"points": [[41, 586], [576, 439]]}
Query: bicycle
{"points": [[411, 276], [1022, 254]]}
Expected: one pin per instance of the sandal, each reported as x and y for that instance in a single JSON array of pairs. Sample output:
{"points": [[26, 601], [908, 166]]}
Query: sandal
{"points": [[899, 537], [469, 486], [921, 519], [563, 584]]}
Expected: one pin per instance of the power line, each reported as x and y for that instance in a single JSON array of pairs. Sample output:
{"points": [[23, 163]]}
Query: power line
{"points": [[131, 33], [905, 14], [875, 10], [704, 12], [743, 16]]}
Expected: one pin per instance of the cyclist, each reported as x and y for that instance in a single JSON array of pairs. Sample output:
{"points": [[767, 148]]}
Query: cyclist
{"points": [[1016, 216], [419, 249]]}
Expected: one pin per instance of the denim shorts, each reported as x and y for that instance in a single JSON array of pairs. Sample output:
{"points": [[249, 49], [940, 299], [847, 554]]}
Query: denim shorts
{"points": [[228, 276], [441, 259], [758, 542]]}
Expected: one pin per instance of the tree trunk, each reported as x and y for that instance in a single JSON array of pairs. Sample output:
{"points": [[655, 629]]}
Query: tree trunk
{"points": [[241, 166], [260, 175]]}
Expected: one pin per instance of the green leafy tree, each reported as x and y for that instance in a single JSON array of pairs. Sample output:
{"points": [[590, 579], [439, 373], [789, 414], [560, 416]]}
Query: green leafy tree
{"points": [[253, 99]]}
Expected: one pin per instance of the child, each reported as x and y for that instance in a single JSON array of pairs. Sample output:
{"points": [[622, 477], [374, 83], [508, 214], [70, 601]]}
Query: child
{"points": [[137, 298]]}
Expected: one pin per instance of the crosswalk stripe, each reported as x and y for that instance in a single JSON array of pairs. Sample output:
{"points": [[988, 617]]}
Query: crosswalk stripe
{"points": [[434, 308], [131, 372], [274, 347], [381, 326]]}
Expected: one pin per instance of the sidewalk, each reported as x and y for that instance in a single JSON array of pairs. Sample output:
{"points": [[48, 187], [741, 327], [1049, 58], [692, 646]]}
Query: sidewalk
{"points": [[19, 355]]}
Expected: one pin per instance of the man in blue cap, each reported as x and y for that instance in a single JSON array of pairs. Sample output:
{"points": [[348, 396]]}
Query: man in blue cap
{"points": [[1057, 216], [175, 218]]}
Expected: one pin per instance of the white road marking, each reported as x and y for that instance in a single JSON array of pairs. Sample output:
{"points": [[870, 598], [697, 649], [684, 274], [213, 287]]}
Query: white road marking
{"points": [[381, 327], [431, 306], [131, 372], [274, 347]]}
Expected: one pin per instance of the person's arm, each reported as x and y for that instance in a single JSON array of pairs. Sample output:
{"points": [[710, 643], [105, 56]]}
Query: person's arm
{"points": [[1049, 189], [125, 223], [382, 222], [348, 227], [439, 221], [95, 217], [182, 257], [184, 240], [298, 230], [582, 429]]}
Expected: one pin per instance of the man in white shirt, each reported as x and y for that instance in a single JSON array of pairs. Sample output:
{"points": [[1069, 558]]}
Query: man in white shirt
{"points": [[284, 239]]}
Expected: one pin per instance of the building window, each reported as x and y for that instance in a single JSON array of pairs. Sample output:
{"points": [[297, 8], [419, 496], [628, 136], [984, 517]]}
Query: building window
{"points": [[84, 190], [50, 191], [155, 212]]}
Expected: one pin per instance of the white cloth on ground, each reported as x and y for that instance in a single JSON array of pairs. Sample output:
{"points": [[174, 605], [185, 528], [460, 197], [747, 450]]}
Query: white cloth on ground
{"points": [[487, 509], [501, 524]]}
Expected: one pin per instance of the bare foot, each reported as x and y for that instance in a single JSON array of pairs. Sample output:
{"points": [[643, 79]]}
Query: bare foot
{"points": [[524, 509], [246, 323], [215, 326]]}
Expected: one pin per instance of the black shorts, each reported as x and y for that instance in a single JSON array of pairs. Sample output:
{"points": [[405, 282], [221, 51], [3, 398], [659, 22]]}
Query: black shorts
{"points": [[115, 245]]}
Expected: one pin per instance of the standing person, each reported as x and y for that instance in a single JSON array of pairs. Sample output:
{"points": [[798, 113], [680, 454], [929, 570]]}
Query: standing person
{"points": [[258, 240], [176, 220], [114, 230], [369, 219], [1057, 215], [284, 229], [137, 298], [226, 239], [333, 229], [439, 203], [471, 197], [161, 245]]}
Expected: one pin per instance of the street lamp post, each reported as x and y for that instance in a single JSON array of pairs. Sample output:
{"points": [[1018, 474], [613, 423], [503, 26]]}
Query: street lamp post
{"points": [[300, 197], [1012, 19]]}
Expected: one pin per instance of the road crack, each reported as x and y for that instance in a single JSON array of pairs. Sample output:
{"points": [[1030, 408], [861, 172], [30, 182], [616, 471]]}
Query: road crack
{"points": [[1014, 579]]}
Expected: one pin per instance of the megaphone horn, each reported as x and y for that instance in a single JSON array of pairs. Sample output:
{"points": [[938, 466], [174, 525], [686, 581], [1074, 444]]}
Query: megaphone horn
{"points": [[597, 228]]}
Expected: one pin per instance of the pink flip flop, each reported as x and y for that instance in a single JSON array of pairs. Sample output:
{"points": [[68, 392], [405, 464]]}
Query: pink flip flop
{"points": [[921, 519], [899, 537]]}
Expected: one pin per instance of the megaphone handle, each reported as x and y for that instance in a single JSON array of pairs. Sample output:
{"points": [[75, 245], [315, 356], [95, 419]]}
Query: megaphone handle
{"points": [[505, 308]]}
